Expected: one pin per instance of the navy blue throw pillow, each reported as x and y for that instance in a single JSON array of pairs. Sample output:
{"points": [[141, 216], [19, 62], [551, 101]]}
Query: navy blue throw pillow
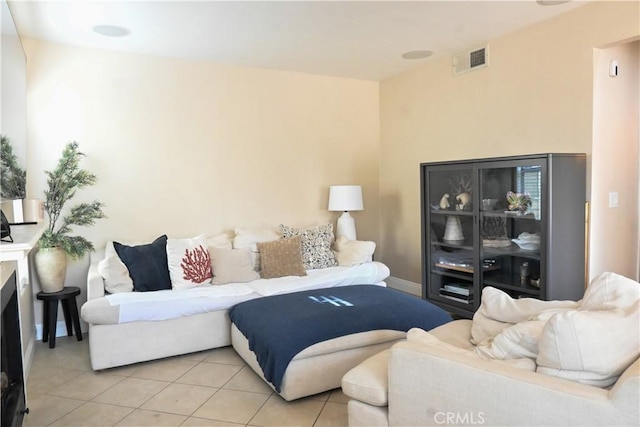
{"points": [[147, 264]]}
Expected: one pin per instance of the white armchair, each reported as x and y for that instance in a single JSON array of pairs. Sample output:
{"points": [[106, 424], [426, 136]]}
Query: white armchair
{"points": [[422, 382]]}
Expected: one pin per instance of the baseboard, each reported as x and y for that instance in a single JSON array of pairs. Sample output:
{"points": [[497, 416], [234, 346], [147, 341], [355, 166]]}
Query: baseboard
{"points": [[404, 285], [61, 329], [28, 356]]}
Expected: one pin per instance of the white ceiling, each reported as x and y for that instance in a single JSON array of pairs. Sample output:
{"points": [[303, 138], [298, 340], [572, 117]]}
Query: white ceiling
{"points": [[353, 39]]}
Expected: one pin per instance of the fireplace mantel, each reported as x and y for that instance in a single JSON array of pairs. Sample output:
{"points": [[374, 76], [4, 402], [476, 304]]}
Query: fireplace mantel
{"points": [[25, 238]]}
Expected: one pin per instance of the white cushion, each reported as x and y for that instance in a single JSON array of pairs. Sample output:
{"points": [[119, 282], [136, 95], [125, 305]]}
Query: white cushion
{"points": [[368, 382], [232, 266], [456, 332], [189, 263], [250, 237], [515, 342], [498, 310], [426, 338], [113, 271], [610, 290], [423, 337], [218, 241], [592, 347], [353, 252]]}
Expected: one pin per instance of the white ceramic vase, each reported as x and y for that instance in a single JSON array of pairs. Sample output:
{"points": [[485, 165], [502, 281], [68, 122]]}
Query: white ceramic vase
{"points": [[453, 230], [51, 266]]}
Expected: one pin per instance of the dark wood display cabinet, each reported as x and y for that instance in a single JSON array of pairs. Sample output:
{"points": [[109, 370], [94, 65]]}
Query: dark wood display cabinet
{"points": [[514, 223]]}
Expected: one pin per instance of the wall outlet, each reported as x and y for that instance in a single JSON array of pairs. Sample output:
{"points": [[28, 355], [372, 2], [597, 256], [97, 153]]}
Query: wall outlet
{"points": [[613, 199]]}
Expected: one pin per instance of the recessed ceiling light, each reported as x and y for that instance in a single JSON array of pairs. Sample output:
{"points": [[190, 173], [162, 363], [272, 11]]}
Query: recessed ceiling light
{"points": [[111, 30], [417, 54], [551, 2]]}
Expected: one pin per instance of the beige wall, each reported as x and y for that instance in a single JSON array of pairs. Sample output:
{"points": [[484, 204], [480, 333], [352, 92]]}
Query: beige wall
{"points": [[535, 96], [185, 147], [614, 231]]}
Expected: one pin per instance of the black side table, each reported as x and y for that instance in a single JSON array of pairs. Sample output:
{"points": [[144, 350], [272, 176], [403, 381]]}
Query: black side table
{"points": [[67, 298]]}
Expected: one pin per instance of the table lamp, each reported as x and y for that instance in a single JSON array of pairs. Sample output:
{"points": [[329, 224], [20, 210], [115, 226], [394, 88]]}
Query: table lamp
{"points": [[345, 198]]}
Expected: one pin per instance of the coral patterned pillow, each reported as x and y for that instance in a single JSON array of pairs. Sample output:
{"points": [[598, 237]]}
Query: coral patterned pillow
{"points": [[189, 263]]}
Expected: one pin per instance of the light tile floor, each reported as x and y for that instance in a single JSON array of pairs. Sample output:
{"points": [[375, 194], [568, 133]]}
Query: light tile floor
{"points": [[210, 388]]}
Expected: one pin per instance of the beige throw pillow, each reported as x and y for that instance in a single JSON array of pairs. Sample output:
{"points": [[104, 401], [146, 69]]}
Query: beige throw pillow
{"points": [[514, 342], [498, 311], [353, 252], [281, 258], [113, 271], [591, 347], [249, 238], [424, 337], [609, 291], [218, 241], [232, 266]]}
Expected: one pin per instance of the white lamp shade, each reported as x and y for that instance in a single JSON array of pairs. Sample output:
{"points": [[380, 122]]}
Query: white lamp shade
{"points": [[345, 198]]}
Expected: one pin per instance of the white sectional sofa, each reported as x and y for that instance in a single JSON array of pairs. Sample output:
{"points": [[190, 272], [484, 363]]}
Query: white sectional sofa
{"points": [[585, 370], [131, 327]]}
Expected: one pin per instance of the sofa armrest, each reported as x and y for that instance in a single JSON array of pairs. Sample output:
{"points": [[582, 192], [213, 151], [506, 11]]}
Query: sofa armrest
{"points": [[429, 385], [95, 283], [628, 387]]}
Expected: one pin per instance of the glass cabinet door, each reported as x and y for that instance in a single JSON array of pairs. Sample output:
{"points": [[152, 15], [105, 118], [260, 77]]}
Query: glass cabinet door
{"points": [[450, 249], [511, 218]]}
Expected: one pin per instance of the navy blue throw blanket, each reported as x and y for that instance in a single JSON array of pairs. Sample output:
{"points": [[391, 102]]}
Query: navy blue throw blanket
{"points": [[280, 326]]}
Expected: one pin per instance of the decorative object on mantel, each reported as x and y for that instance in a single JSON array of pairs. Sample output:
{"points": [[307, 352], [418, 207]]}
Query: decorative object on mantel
{"points": [[13, 180], [56, 244], [518, 202], [5, 229], [33, 210], [345, 198]]}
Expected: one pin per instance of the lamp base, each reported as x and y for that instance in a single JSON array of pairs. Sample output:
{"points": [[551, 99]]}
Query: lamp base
{"points": [[346, 226]]}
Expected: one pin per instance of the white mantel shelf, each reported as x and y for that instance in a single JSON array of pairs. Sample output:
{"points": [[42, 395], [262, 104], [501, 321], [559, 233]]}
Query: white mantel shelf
{"points": [[25, 238]]}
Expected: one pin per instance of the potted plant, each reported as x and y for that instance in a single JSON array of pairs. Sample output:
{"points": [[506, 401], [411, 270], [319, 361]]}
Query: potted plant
{"points": [[13, 179], [55, 244], [518, 202]]}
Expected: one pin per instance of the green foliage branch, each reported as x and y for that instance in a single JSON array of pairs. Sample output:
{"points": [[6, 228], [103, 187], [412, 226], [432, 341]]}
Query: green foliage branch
{"points": [[13, 179], [63, 182]]}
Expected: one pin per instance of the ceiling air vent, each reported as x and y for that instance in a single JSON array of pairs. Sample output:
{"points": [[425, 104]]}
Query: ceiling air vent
{"points": [[471, 60]]}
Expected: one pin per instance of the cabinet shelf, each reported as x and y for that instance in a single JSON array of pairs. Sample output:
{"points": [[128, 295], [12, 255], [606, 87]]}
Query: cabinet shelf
{"points": [[455, 300], [557, 186], [464, 269], [453, 274], [511, 215], [529, 290], [466, 245], [513, 250], [454, 213]]}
